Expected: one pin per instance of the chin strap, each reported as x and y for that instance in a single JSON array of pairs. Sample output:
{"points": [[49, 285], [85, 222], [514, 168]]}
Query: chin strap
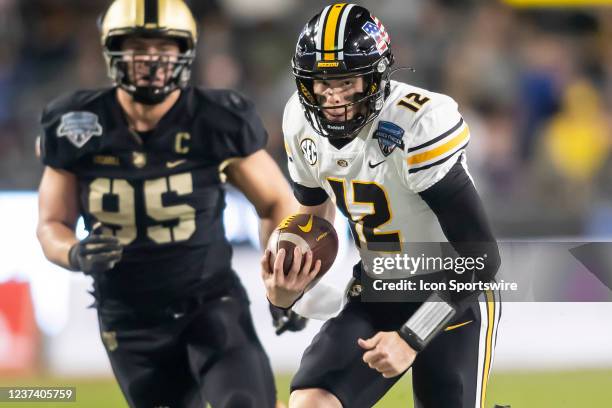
{"points": [[147, 96]]}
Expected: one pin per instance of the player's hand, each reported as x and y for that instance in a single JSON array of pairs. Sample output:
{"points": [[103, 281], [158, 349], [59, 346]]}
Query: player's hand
{"points": [[286, 320], [96, 253], [283, 290], [387, 353]]}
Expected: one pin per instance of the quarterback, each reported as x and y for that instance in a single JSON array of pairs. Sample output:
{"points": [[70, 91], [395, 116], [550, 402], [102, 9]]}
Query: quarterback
{"points": [[391, 157], [144, 163]]}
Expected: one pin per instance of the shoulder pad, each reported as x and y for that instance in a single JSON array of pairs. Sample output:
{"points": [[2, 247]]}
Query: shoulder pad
{"points": [[294, 120], [435, 135], [406, 104], [68, 123], [229, 99], [235, 119]]}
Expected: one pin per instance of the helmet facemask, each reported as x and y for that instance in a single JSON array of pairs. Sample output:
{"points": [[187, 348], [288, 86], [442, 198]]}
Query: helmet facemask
{"points": [[367, 103], [149, 77]]}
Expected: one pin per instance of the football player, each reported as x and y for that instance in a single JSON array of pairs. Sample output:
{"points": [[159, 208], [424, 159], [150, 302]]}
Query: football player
{"points": [[144, 163], [391, 157]]}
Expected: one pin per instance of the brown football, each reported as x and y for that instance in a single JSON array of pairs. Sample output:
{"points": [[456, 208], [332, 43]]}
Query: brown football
{"points": [[308, 232]]}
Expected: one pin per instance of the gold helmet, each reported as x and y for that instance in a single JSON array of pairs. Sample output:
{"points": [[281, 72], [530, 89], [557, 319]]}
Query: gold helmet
{"points": [[149, 19]]}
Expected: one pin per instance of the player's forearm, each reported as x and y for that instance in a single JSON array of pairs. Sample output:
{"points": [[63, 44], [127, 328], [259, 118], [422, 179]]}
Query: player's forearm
{"points": [[277, 212], [56, 239], [460, 212], [457, 206], [325, 210]]}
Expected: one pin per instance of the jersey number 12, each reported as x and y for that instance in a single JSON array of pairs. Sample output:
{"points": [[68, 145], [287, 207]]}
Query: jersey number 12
{"points": [[364, 227]]}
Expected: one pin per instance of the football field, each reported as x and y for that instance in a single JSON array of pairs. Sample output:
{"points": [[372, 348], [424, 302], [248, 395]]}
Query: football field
{"points": [[588, 389]]}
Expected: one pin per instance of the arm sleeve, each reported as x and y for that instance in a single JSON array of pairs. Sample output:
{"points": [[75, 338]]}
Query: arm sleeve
{"points": [[457, 206], [309, 196], [460, 213]]}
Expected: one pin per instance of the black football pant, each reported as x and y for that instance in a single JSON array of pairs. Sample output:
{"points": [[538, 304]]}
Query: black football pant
{"points": [[208, 354], [452, 372]]}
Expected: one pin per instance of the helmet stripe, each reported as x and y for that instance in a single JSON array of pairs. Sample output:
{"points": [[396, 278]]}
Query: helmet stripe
{"points": [[340, 44], [140, 12], [151, 12], [331, 30], [321, 24]]}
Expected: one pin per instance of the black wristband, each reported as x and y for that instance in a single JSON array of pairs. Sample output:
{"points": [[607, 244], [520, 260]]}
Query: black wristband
{"points": [[285, 308], [411, 338], [73, 257], [427, 321]]}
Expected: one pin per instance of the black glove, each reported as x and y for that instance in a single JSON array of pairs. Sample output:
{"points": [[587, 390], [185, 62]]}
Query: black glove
{"points": [[286, 319], [94, 254]]}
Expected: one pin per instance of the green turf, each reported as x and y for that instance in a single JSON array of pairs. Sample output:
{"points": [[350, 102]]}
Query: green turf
{"points": [[584, 389]]}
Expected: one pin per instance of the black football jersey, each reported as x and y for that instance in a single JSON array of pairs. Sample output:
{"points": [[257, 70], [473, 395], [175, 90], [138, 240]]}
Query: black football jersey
{"points": [[160, 192]]}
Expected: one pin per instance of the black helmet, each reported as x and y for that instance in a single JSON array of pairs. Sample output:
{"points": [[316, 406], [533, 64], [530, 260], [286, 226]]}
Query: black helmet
{"points": [[149, 19], [342, 41]]}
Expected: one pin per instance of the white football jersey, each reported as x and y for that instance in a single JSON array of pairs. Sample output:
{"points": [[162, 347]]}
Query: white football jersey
{"points": [[375, 179]]}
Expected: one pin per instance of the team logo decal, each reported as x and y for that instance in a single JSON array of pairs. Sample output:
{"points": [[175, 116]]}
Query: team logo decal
{"points": [[377, 31], [389, 136], [310, 151], [342, 163], [139, 159], [79, 127]]}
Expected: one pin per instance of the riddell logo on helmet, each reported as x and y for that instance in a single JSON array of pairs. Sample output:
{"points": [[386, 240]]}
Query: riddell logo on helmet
{"points": [[328, 64]]}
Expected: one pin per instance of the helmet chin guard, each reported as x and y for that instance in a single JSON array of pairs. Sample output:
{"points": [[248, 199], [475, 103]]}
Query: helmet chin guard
{"points": [[343, 41]]}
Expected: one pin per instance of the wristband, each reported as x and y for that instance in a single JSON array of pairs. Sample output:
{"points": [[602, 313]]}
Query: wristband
{"points": [[426, 322], [288, 307], [73, 257]]}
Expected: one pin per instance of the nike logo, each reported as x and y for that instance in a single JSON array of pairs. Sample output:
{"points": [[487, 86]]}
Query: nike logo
{"points": [[449, 328], [172, 164], [307, 227], [373, 166]]}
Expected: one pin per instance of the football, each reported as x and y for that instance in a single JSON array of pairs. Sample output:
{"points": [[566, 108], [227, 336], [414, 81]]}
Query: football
{"points": [[308, 232]]}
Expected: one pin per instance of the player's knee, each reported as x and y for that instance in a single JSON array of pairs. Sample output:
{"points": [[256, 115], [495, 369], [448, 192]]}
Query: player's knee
{"points": [[313, 397]]}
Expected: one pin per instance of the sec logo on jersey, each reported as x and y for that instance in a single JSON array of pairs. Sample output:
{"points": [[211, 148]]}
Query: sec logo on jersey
{"points": [[309, 149]]}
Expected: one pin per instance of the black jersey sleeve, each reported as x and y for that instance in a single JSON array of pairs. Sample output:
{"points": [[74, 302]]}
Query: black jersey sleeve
{"points": [[240, 129], [309, 196], [67, 125], [253, 135], [457, 206]]}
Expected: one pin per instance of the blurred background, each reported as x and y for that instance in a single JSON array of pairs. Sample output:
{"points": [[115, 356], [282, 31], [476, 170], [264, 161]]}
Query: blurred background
{"points": [[534, 84]]}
